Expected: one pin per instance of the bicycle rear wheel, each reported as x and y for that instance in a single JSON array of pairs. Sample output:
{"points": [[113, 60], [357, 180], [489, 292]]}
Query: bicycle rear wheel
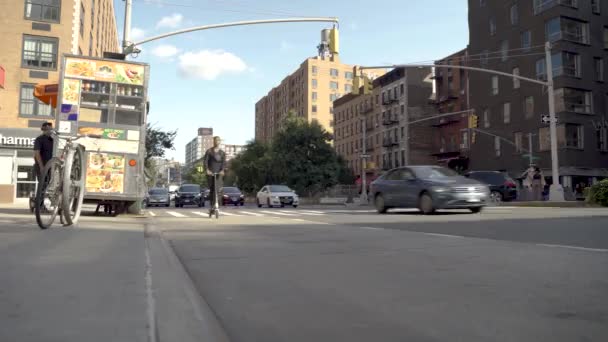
{"points": [[49, 194], [73, 185]]}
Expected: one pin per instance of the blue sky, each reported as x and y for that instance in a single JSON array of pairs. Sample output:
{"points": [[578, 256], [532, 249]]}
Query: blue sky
{"points": [[214, 78]]}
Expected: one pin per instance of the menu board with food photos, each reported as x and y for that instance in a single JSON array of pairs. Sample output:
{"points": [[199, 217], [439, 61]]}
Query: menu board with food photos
{"points": [[105, 173], [104, 70]]}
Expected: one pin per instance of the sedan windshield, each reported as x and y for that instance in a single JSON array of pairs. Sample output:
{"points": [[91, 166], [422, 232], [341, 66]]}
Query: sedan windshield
{"points": [[190, 188], [434, 172], [158, 192], [279, 188], [231, 190]]}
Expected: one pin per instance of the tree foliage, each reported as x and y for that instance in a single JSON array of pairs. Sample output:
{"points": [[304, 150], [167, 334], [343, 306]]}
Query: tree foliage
{"points": [[193, 176], [300, 156], [157, 143]]}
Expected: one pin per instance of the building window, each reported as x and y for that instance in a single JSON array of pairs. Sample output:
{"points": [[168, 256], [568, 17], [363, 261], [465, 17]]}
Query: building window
{"points": [[516, 81], [333, 97], [82, 20], [315, 69], [333, 85], [484, 57], [504, 50], [314, 108], [514, 15], [492, 26], [39, 52], [486, 118], [333, 72], [348, 75], [529, 107], [573, 135], [601, 134], [544, 139], [567, 29], [91, 44], [464, 139], [43, 10], [29, 105], [542, 5], [518, 139], [573, 100], [506, 112], [314, 96], [526, 40], [314, 83], [494, 85], [497, 146], [599, 69], [596, 6], [348, 88]]}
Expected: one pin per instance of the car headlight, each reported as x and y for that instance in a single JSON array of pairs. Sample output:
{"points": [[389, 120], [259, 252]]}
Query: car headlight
{"points": [[440, 189], [274, 197]]}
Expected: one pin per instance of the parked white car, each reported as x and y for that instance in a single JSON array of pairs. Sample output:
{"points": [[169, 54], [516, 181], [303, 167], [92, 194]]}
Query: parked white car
{"points": [[277, 195]]}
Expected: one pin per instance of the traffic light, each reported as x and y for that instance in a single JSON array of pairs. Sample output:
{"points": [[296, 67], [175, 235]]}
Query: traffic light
{"points": [[356, 84], [368, 85], [473, 121], [334, 41]]}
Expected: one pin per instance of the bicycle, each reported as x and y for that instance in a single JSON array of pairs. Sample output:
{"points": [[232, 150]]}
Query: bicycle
{"points": [[215, 207], [61, 184]]}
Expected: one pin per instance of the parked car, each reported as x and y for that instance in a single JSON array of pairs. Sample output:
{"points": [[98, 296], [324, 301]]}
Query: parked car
{"points": [[502, 187], [427, 188], [279, 195], [189, 194], [158, 197], [232, 195]]}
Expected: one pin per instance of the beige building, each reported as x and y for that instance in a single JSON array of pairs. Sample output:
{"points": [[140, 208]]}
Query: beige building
{"points": [[35, 34], [374, 124], [309, 91]]}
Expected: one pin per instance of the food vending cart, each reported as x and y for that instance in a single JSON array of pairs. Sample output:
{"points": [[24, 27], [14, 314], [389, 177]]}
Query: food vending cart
{"points": [[107, 98]]}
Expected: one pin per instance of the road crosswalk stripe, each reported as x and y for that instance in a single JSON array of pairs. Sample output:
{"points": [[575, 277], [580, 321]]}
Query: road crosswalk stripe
{"points": [[152, 213], [227, 213], [250, 213], [275, 213], [301, 213], [313, 211], [173, 213], [200, 213]]}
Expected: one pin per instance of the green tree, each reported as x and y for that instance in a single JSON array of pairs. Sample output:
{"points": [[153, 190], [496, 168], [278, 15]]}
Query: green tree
{"points": [[157, 143], [251, 169], [303, 158], [196, 175]]}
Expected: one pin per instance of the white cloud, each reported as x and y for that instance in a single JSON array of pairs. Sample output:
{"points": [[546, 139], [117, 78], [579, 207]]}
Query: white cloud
{"points": [[137, 33], [209, 64], [172, 21], [286, 46], [165, 51]]}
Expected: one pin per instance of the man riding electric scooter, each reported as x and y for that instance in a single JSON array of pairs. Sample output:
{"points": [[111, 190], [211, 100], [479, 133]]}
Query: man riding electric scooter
{"points": [[215, 163]]}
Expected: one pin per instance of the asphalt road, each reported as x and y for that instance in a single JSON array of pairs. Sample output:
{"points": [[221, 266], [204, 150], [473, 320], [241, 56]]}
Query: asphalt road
{"points": [[307, 274], [508, 274]]}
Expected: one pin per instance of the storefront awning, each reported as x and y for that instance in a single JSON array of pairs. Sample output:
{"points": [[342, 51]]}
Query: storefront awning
{"points": [[47, 93]]}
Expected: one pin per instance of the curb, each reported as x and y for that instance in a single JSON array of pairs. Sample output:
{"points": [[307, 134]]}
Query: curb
{"points": [[180, 312]]}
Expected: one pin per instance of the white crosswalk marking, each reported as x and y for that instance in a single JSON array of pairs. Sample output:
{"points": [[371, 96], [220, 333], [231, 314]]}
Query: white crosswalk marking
{"points": [[301, 213], [200, 213], [173, 213], [251, 213], [152, 213], [276, 213], [227, 213], [314, 211]]}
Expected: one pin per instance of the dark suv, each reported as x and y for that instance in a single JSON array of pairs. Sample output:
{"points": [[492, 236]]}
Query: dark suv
{"points": [[189, 194], [502, 187]]}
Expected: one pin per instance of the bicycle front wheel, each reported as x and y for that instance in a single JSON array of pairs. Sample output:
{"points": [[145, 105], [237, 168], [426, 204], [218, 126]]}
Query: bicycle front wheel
{"points": [[49, 194], [73, 185]]}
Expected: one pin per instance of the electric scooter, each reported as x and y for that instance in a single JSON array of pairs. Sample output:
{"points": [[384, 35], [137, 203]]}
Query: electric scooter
{"points": [[215, 207]]}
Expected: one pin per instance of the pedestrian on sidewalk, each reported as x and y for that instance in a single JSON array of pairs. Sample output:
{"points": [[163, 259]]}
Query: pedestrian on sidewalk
{"points": [[538, 184], [527, 177]]}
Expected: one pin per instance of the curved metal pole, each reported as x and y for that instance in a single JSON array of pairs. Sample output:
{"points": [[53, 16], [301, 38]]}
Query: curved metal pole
{"points": [[130, 48], [489, 71]]}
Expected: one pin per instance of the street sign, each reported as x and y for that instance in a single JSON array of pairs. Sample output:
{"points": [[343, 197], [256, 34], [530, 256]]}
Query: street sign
{"points": [[546, 119]]}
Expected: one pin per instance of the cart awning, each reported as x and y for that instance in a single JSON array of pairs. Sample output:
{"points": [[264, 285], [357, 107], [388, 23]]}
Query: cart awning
{"points": [[47, 93]]}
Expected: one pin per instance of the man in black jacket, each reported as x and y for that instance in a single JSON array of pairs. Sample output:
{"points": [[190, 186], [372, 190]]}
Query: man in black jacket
{"points": [[215, 163], [43, 149]]}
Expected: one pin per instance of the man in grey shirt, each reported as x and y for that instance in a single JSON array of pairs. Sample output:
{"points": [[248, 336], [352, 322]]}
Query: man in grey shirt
{"points": [[215, 163]]}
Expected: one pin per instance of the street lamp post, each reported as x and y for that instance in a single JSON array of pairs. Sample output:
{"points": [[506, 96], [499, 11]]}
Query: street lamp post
{"points": [[556, 190]]}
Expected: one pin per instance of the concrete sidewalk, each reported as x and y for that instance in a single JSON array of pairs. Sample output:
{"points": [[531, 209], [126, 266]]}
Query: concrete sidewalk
{"points": [[104, 280]]}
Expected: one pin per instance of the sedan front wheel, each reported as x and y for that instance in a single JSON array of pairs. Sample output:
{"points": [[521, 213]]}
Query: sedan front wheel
{"points": [[426, 204], [380, 204]]}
